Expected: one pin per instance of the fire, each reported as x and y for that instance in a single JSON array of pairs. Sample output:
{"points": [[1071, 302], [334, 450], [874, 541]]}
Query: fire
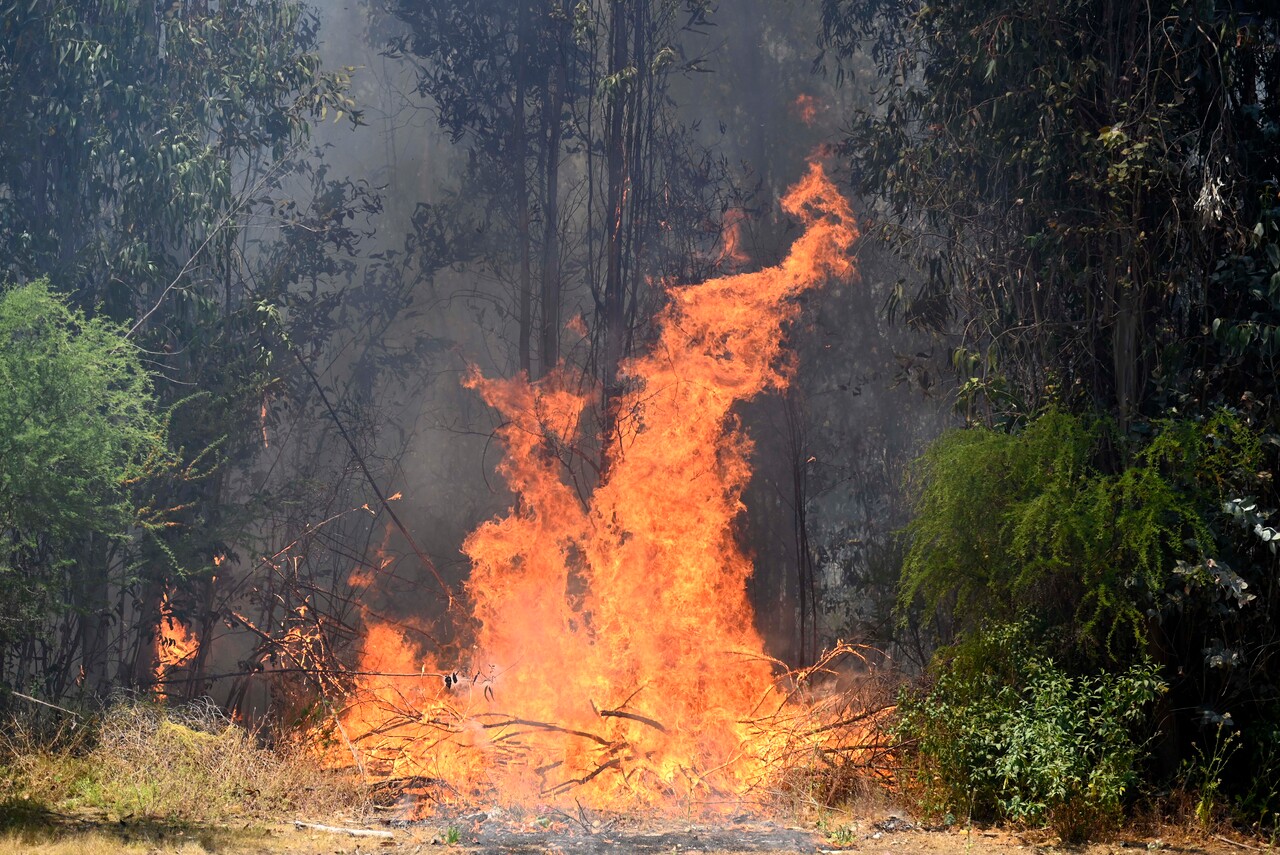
{"points": [[176, 645], [615, 655], [731, 253], [807, 108]]}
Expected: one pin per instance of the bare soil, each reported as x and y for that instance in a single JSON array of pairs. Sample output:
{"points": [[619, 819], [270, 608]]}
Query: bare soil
{"points": [[740, 838], [565, 834]]}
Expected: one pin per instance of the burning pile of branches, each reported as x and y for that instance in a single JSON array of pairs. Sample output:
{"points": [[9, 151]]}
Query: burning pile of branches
{"points": [[614, 655], [811, 732]]}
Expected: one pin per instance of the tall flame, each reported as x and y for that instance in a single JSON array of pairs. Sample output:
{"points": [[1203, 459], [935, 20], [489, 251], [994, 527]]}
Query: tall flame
{"points": [[176, 645], [615, 652]]}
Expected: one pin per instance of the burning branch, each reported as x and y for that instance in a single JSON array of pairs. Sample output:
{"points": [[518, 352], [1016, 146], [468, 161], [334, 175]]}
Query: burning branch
{"points": [[547, 726], [615, 763], [634, 717]]}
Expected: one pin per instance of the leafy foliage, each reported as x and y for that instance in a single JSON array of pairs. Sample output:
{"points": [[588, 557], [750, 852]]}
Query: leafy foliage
{"points": [[126, 128], [78, 430], [1005, 732], [1029, 521], [1087, 193], [154, 166], [1157, 566]]}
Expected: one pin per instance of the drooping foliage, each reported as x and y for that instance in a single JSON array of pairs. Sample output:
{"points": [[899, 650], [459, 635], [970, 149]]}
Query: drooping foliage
{"points": [[1028, 522]]}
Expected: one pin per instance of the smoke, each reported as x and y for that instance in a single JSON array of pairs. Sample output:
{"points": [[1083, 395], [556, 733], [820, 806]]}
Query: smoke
{"points": [[435, 274]]}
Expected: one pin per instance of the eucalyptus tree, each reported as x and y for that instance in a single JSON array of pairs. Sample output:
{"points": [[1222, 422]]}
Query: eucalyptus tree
{"points": [[576, 93], [1088, 193], [144, 154], [1080, 185]]}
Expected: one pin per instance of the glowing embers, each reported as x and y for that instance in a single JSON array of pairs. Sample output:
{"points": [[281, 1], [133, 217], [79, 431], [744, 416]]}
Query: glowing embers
{"points": [[615, 654]]}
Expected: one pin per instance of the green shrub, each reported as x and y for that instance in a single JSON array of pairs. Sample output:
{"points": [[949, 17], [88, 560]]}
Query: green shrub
{"points": [[1005, 733], [1067, 520], [78, 430]]}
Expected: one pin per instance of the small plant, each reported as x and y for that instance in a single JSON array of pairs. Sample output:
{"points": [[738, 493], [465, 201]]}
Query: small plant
{"points": [[1258, 804], [844, 835], [1204, 774], [452, 835], [1005, 733]]}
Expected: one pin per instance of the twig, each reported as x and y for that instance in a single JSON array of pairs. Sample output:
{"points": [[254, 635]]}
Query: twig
{"points": [[354, 832], [615, 763], [71, 713], [854, 719], [226, 218], [355, 755], [373, 483], [1219, 837]]}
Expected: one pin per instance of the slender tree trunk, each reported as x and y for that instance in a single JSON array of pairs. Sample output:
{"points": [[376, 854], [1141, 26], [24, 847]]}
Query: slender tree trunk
{"points": [[615, 202], [551, 209], [519, 153], [95, 615], [138, 669]]}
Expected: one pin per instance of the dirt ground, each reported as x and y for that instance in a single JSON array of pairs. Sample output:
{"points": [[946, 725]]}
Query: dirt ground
{"points": [[563, 834], [757, 837]]}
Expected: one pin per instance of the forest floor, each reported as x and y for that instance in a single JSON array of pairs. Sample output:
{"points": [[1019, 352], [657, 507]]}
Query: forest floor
{"points": [[562, 834]]}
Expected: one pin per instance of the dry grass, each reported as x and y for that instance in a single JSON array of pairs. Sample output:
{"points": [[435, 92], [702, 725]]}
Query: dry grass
{"points": [[141, 761], [58, 842], [839, 753]]}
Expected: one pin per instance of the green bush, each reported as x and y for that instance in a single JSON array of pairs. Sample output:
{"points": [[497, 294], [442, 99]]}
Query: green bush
{"points": [[1005, 733], [78, 429], [1068, 520]]}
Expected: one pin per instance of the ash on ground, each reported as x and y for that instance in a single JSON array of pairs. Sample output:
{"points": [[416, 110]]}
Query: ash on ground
{"points": [[510, 831]]}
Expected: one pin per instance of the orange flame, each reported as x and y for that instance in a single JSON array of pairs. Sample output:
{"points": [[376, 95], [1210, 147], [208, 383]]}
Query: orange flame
{"points": [[176, 645], [732, 251], [615, 654], [807, 108]]}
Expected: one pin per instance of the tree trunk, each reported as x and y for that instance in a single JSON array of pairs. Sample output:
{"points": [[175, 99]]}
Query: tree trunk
{"points": [[615, 202], [551, 208], [518, 153]]}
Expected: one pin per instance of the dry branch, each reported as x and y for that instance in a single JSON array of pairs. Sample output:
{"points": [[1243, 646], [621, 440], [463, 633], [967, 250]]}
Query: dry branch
{"points": [[615, 763], [542, 725], [353, 832], [634, 717], [71, 713]]}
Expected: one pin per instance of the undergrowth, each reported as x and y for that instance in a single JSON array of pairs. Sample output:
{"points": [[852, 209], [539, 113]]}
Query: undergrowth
{"points": [[1004, 733], [142, 761]]}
